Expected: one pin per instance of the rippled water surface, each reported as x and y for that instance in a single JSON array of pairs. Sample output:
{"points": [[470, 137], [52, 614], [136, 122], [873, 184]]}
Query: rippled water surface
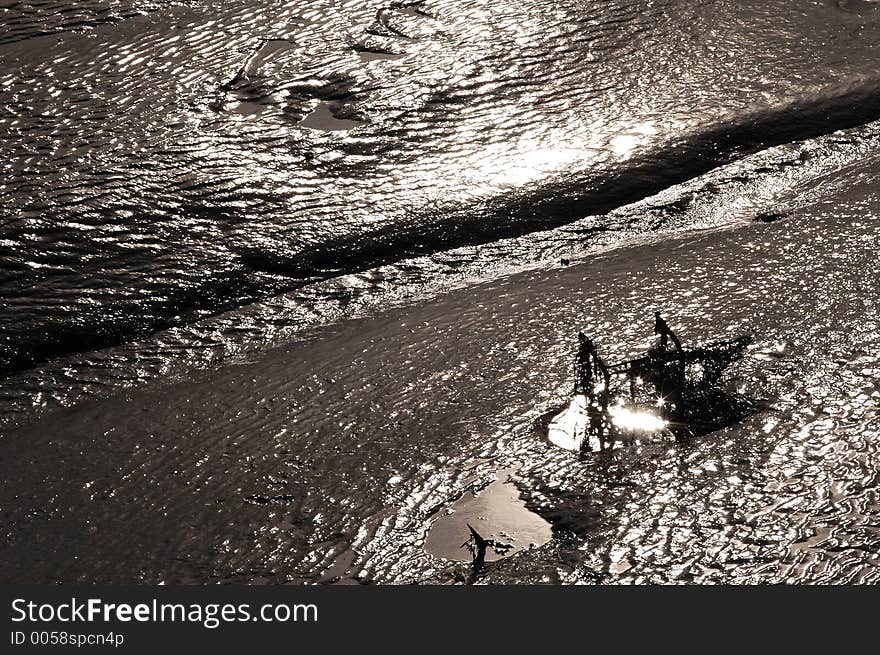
{"points": [[169, 160]]}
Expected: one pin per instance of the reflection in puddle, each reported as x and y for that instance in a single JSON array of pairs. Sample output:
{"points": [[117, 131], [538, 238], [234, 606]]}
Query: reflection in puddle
{"points": [[497, 513], [569, 428]]}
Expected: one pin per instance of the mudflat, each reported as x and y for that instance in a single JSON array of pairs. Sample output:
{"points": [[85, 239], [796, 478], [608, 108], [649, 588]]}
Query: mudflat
{"points": [[329, 459]]}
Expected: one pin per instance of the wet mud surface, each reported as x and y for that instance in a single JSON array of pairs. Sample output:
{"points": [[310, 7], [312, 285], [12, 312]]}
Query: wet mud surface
{"points": [[329, 460], [289, 292], [169, 161]]}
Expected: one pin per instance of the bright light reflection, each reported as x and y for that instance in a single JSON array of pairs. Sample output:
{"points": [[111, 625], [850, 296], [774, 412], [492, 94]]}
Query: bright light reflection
{"points": [[624, 143], [635, 420], [571, 427], [568, 429], [528, 162]]}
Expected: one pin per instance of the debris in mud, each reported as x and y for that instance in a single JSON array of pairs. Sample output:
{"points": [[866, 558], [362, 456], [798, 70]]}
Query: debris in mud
{"points": [[260, 499], [478, 545], [671, 390]]}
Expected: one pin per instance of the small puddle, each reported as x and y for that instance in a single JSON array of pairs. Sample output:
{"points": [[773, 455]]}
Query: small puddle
{"points": [[322, 118], [377, 55], [498, 513], [248, 108]]}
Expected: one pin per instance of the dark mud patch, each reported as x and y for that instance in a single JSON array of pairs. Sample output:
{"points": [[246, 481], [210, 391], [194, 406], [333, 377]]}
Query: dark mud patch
{"points": [[771, 217], [259, 499], [372, 54]]}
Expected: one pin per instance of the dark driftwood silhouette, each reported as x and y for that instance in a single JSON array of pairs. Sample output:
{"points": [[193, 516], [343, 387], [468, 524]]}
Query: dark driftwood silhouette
{"points": [[684, 380], [478, 545]]}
